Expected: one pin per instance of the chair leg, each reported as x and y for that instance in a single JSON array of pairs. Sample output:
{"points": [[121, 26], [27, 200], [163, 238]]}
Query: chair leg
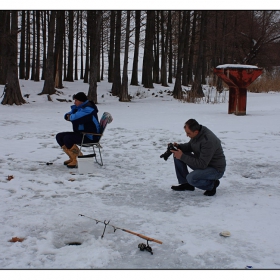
{"points": [[82, 143], [100, 162]]}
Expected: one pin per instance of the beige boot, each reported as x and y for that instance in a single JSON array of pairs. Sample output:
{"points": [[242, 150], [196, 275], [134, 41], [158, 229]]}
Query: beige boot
{"points": [[66, 151], [74, 152]]}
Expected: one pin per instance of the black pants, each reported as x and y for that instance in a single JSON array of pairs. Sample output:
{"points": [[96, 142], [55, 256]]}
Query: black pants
{"points": [[70, 138]]}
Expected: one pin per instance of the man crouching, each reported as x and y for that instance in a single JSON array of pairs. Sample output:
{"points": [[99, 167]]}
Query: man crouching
{"points": [[204, 155]]}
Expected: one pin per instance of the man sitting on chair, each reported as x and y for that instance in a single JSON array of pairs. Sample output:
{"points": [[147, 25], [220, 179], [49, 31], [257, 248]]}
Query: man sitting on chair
{"points": [[83, 116]]}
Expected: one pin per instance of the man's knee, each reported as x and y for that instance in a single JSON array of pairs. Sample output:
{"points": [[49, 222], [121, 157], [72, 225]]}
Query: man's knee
{"points": [[59, 138], [190, 179]]}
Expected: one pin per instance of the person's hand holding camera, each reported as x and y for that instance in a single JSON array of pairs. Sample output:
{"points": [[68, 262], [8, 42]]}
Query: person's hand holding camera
{"points": [[177, 153]]}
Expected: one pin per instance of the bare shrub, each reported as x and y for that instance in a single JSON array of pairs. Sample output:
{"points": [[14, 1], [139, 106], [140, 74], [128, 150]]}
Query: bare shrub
{"points": [[211, 96], [268, 81]]}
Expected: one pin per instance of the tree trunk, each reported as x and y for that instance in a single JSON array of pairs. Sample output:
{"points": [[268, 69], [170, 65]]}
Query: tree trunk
{"points": [[95, 30], [219, 86], [215, 50], [4, 31], [204, 48], [98, 55], [87, 49], [82, 52], [148, 60], [12, 94], [116, 87], [102, 50], [124, 97], [37, 61], [58, 59], [22, 47], [190, 65], [134, 76], [44, 31], [49, 87], [64, 56], [156, 78], [111, 48], [33, 62], [177, 92], [76, 49], [69, 76], [196, 89], [163, 75], [186, 52], [170, 55], [27, 69]]}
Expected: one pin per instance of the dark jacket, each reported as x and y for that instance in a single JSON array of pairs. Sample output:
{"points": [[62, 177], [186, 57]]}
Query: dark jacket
{"points": [[84, 118], [207, 151]]}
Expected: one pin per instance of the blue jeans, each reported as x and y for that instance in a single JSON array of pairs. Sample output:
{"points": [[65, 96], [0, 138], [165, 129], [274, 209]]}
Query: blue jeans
{"points": [[199, 178]]}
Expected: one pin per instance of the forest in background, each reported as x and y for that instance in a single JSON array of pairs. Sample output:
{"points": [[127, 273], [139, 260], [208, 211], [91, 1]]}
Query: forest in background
{"points": [[181, 45]]}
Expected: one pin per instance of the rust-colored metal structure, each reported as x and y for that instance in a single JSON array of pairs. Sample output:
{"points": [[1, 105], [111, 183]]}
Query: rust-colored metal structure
{"points": [[238, 78]]}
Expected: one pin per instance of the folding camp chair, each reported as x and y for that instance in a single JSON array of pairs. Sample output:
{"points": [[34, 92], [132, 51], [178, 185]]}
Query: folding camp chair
{"points": [[105, 119]]}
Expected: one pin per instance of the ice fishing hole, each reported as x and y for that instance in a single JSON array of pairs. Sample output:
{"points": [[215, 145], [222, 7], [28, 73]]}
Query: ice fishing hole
{"points": [[74, 243]]}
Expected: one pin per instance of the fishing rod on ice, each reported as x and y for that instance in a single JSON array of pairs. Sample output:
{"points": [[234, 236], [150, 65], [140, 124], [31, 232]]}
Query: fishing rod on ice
{"points": [[141, 246]]}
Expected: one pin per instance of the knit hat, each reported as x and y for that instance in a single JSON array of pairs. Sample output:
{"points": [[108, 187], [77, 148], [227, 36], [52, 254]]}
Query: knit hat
{"points": [[80, 96]]}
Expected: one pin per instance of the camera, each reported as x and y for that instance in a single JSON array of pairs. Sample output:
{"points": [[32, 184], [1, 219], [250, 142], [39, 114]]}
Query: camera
{"points": [[168, 153]]}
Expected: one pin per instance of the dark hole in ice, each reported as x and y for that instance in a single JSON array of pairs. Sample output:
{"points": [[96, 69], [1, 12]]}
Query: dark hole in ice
{"points": [[74, 243]]}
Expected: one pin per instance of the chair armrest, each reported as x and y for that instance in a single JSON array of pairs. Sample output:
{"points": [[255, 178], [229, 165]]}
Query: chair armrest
{"points": [[96, 134]]}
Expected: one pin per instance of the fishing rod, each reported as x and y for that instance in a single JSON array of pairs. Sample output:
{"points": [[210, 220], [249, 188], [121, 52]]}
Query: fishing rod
{"points": [[142, 246]]}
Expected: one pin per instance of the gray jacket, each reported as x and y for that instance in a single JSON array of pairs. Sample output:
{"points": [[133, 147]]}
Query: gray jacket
{"points": [[206, 151]]}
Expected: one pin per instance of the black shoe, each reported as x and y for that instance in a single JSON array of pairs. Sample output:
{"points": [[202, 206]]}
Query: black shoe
{"points": [[183, 187], [213, 191]]}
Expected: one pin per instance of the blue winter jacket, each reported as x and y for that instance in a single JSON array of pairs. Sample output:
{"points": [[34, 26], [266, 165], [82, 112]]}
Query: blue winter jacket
{"points": [[84, 118]]}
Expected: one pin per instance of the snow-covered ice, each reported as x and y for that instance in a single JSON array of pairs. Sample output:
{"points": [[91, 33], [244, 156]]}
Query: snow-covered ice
{"points": [[42, 202]]}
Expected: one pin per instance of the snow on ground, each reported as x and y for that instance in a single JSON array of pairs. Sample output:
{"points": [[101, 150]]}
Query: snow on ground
{"points": [[42, 202]]}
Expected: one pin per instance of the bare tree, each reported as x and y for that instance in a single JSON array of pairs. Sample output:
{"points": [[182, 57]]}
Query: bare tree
{"points": [[148, 60], [177, 92], [163, 52], [44, 35], [186, 52], [95, 31], [87, 49], [76, 49], [12, 93], [102, 51], [124, 97], [219, 85], [192, 45], [170, 53], [27, 63], [49, 87], [4, 31], [69, 75], [134, 76], [267, 32], [33, 60], [22, 47], [116, 87], [82, 49], [37, 60], [111, 47], [58, 55], [196, 86], [156, 78]]}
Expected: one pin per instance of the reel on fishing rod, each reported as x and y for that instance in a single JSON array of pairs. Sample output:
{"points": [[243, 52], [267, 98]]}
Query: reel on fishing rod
{"points": [[143, 247]]}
